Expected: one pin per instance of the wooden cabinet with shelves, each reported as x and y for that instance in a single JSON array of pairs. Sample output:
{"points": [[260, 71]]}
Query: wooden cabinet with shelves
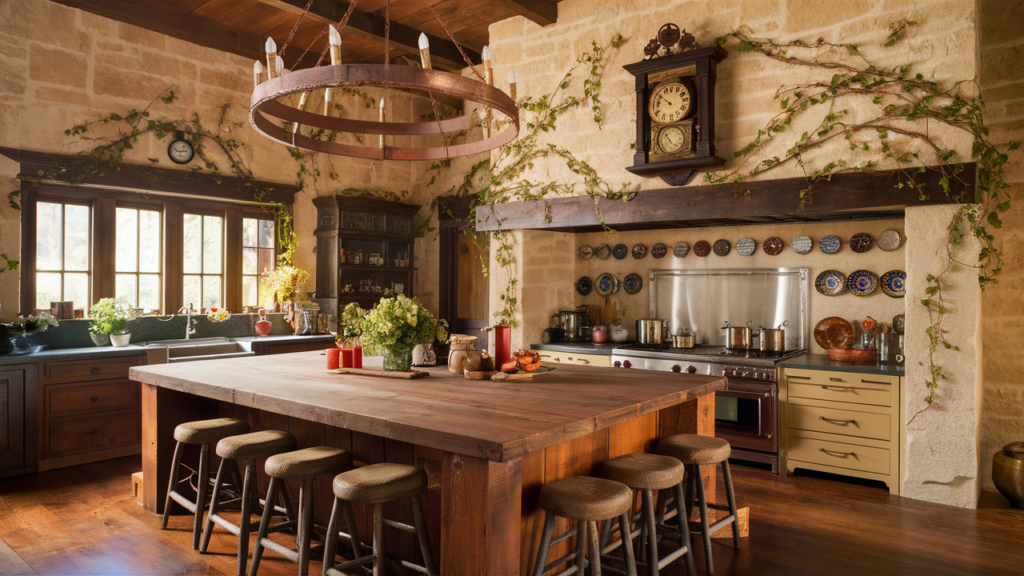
{"points": [[12, 419]]}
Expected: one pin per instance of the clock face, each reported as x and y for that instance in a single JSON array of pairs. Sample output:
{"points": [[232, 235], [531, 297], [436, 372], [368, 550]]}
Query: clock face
{"points": [[180, 151], [671, 139], [670, 102]]}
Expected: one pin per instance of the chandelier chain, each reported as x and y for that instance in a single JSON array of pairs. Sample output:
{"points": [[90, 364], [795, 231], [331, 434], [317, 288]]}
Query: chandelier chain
{"points": [[454, 41], [295, 27], [344, 20], [387, 34]]}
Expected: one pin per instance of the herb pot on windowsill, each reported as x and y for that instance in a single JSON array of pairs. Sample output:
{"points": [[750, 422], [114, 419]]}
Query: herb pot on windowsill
{"points": [[100, 339], [120, 339]]}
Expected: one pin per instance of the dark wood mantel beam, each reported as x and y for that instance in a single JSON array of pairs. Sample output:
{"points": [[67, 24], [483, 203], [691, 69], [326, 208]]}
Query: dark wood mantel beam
{"points": [[844, 197], [543, 12]]}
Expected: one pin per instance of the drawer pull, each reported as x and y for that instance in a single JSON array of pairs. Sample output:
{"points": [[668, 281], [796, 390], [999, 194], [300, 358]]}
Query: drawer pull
{"points": [[583, 360], [836, 380], [799, 377], [95, 430], [95, 398], [96, 370], [838, 453], [544, 355], [874, 382], [837, 421], [827, 387]]}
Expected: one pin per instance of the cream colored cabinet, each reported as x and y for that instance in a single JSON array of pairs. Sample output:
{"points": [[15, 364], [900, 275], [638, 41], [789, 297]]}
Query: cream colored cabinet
{"points": [[842, 422], [556, 358]]}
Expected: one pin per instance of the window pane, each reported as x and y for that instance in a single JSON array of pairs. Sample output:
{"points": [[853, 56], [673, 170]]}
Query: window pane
{"points": [[266, 233], [191, 292], [249, 259], [47, 290], [48, 237], [149, 292], [76, 289], [127, 244], [212, 244], [76, 237], [249, 291], [266, 259], [249, 226], [211, 292], [193, 239], [149, 241], [124, 289]]}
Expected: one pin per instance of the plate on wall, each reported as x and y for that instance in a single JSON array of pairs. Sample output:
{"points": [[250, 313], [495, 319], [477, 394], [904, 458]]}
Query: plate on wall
{"points": [[862, 282], [702, 248], [586, 252], [620, 251], [722, 247], [639, 251], [830, 244], [802, 244], [632, 283], [894, 283], [680, 249], [607, 284], [584, 285], [861, 243], [746, 247], [830, 283], [889, 240], [659, 250], [773, 246], [603, 251], [834, 332]]}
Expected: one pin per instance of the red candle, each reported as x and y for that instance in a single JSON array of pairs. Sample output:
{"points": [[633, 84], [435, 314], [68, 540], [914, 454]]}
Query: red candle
{"points": [[332, 358], [357, 357], [346, 358], [502, 344]]}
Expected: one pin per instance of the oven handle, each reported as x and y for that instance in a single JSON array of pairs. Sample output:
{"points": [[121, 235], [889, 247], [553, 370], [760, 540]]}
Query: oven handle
{"points": [[744, 394]]}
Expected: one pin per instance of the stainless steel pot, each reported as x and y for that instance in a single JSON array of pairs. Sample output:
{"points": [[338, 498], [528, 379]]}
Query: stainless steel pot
{"points": [[683, 341], [773, 339], [650, 331], [739, 337]]}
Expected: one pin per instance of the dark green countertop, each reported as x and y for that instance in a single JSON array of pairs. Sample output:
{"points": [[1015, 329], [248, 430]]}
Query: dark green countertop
{"points": [[821, 362], [581, 347]]}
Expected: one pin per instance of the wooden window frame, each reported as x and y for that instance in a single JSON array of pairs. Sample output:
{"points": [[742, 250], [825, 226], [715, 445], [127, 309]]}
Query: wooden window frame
{"points": [[63, 232], [241, 252], [138, 249], [203, 214]]}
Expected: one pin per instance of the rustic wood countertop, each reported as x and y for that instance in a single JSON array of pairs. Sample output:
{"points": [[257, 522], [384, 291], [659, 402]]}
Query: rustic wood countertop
{"points": [[497, 421]]}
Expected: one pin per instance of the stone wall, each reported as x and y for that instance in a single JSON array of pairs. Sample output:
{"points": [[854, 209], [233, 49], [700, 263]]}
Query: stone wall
{"points": [[1002, 86]]}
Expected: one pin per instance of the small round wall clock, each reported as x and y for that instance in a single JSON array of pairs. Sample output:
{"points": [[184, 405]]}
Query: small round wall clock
{"points": [[180, 151]]}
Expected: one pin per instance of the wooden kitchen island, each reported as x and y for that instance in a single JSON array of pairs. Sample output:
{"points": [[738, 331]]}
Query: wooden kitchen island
{"points": [[487, 446]]}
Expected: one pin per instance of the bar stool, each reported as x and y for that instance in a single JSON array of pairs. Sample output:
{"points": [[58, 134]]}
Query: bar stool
{"points": [[377, 484], [304, 465], [248, 447], [650, 473], [204, 433], [586, 500], [694, 451]]}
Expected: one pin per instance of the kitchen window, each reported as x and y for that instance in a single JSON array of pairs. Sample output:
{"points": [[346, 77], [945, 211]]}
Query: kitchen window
{"points": [[202, 266], [137, 262], [257, 256], [62, 263]]}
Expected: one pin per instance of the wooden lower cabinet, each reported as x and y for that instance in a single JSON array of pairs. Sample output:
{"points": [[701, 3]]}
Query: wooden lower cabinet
{"points": [[842, 422], [12, 419], [555, 358]]}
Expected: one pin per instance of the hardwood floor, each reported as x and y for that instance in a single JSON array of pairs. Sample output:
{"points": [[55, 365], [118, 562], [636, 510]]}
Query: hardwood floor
{"points": [[82, 520]]}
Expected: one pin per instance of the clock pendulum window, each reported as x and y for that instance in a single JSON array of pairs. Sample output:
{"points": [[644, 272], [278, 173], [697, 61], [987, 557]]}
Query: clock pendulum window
{"points": [[675, 88]]}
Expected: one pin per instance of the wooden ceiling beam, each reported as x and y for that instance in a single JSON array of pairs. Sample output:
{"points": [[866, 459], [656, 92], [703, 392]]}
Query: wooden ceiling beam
{"points": [[543, 12]]}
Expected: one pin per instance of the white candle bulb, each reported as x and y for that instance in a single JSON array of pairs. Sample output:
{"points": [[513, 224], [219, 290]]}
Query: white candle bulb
{"points": [[424, 43], [271, 46], [512, 84], [382, 120], [486, 54], [258, 67], [257, 73], [335, 36], [272, 59], [512, 76], [280, 66], [425, 52]]}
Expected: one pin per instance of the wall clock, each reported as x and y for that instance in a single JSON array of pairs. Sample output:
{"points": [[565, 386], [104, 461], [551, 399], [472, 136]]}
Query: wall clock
{"points": [[675, 91], [180, 150]]}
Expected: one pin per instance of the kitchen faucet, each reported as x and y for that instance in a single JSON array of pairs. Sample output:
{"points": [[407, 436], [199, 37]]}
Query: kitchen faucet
{"points": [[189, 322]]}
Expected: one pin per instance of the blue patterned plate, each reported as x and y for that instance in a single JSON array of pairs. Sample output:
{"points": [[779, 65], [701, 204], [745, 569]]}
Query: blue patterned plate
{"points": [[862, 282], [830, 244], [830, 283], [894, 283], [632, 283], [606, 284]]}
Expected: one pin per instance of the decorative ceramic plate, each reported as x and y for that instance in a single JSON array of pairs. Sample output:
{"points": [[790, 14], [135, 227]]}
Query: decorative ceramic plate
{"points": [[584, 285], [802, 244], [860, 243], [834, 332], [773, 246], [639, 251], [746, 246], [620, 251], [899, 323], [632, 283], [659, 250], [603, 251], [586, 252], [607, 284], [722, 247], [889, 240], [702, 248], [894, 283], [830, 244], [680, 249], [830, 283], [862, 282]]}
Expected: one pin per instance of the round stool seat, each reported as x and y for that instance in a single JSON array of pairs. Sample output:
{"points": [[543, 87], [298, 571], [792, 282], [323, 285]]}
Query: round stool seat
{"points": [[586, 498], [308, 463], [380, 483], [644, 471], [255, 445], [209, 431], [695, 449]]}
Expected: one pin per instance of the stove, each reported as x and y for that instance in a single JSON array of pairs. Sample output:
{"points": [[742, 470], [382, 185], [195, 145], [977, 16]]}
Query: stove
{"points": [[746, 412]]}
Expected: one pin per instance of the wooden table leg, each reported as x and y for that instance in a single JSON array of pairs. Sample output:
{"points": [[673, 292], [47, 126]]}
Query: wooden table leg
{"points": [[162, 410], [480, 516]]}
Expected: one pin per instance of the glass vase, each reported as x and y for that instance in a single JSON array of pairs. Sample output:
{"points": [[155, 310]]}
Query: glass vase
{"points": [[398, 357]]}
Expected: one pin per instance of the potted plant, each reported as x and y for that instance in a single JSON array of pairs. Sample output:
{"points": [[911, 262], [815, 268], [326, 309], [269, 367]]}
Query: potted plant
{"points": [[110, 322], [286, 283], [14, 336], [395, 326]]}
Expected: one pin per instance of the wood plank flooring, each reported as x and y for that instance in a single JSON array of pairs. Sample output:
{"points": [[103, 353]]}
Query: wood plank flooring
{"points": [[82, 520]]}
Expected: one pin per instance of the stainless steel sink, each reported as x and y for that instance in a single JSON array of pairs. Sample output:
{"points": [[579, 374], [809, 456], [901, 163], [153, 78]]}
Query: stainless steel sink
{"points": [[174, 351]]}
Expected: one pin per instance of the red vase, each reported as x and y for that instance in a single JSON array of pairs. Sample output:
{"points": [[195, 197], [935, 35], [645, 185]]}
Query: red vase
{"points": [[263, 326]]}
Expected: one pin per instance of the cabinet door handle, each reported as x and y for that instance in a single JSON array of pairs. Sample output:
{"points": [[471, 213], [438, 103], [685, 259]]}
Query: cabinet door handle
{"points": [[583, 360], [95, 398], [798, 377], [95, 430], [836, 380], [827, 387], [874, 382], [837, 421], [544, 355], [837, 453], [96, 370]]}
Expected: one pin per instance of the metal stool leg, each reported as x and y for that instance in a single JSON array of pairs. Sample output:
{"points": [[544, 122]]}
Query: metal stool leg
{"points": [[203, 483], [268, 511], [545, 544], [214, 503], [647, 517], [732, 504], [704, 526], [175, 463], [684, 529]]}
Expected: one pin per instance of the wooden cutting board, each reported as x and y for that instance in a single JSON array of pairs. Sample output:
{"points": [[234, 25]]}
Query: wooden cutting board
{"points": [[382, 373]]}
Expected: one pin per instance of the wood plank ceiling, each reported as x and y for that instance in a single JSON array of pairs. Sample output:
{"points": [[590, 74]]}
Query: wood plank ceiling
{"points": [[242, 26]]}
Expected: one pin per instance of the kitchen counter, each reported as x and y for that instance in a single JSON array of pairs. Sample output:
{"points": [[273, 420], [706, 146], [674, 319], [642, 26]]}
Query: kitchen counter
{"points": [[821, 362], [604, 349]]}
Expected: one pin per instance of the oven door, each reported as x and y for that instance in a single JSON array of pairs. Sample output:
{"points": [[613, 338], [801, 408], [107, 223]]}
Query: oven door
{"points": [[745, 415]]}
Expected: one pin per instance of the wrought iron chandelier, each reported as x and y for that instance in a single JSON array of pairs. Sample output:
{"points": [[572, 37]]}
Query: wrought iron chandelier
{"points": [[269, 114]]}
